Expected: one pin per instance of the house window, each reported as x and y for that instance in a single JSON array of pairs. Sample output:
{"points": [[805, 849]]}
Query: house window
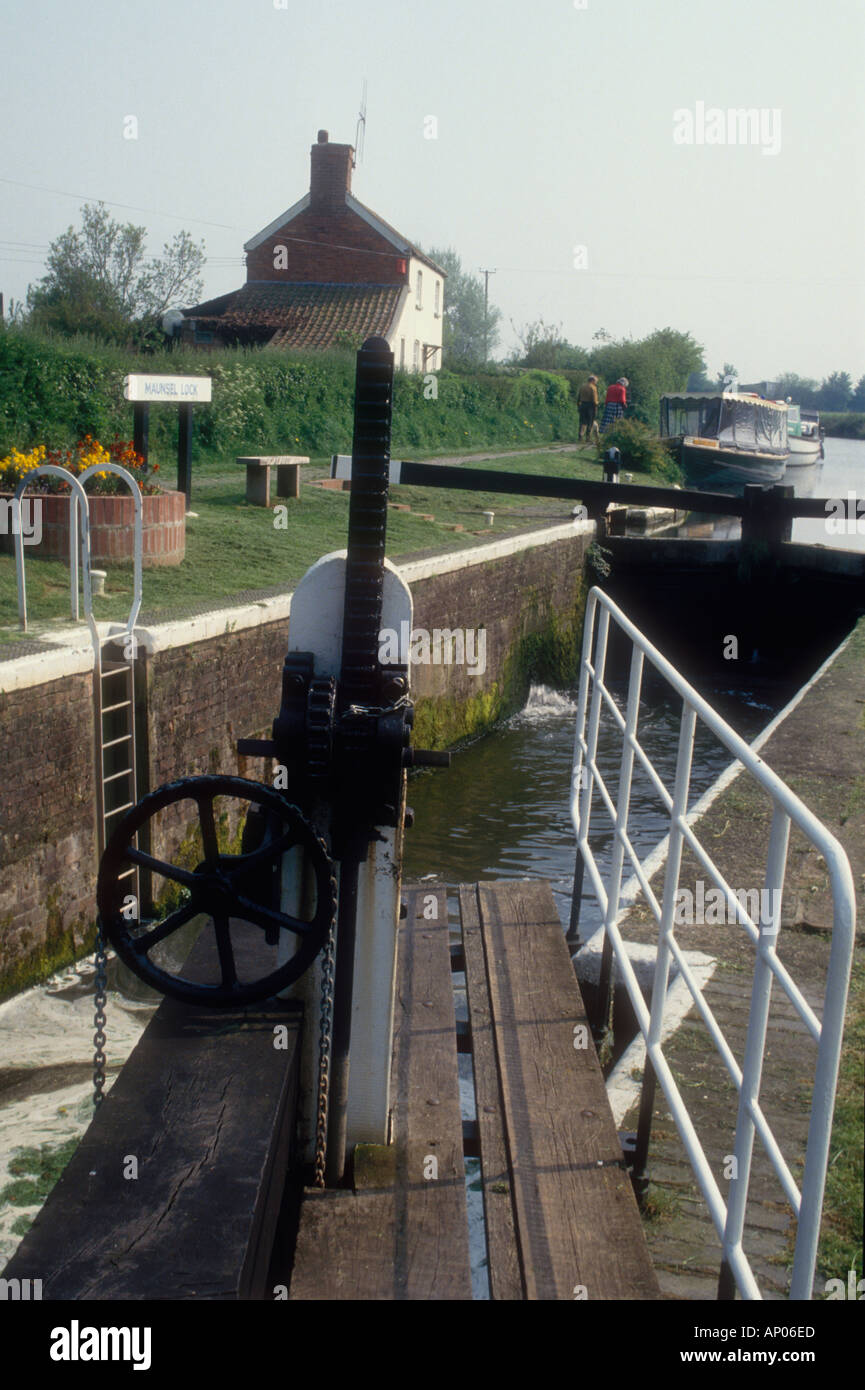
{"points": [[419, 290], [402, 354], [416, 355], [438, 286]]}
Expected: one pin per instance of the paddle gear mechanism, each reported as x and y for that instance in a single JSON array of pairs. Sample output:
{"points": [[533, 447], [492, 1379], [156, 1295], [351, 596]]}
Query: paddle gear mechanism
{"points": [[229, 889], [341, 742]]}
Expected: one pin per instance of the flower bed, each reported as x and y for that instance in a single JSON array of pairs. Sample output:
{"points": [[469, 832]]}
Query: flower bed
{"points": [[111, 507], [87, 452], [112, 531]]}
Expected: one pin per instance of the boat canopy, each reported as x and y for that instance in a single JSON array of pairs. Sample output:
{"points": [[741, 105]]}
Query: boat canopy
{"points": [[736, 420]]}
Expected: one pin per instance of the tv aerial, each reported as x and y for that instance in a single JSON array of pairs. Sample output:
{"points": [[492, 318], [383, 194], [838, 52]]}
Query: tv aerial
{"points": [[360, 129]]}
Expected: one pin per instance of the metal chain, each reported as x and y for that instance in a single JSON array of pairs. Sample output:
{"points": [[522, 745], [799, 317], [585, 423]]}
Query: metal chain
{"points": [[99, 1018], [325, 1031]]}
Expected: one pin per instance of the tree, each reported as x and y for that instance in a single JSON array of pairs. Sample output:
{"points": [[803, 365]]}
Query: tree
{"points": [[835, 392], [100, 281], [664, 361], [802, 390], [542, 346], [857, 400], [727, 376], [463, 325]]}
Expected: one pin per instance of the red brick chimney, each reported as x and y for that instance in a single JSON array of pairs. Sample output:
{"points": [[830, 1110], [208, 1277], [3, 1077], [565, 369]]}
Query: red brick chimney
{"points": [[330, 177]]}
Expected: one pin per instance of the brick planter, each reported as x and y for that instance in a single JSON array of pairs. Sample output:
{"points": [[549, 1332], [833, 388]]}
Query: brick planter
{"points": [[112, 531]]}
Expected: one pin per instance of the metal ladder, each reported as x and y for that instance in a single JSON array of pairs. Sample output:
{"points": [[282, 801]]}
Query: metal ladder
{"points": [[114, 691], [114, 700], [114, 675]]}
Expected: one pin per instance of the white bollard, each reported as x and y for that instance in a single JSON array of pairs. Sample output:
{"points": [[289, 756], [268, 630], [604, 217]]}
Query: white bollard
{"points": [[97, 580]]}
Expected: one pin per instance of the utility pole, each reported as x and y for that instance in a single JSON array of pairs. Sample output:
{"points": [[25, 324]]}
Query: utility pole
{"points": [[486, 274]]}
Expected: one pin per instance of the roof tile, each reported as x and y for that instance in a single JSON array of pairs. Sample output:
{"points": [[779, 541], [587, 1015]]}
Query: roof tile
{"points": [[303, 315]]}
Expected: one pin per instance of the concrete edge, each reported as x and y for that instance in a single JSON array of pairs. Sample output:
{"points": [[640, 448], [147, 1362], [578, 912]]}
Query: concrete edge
{"points": [[74, 654]]}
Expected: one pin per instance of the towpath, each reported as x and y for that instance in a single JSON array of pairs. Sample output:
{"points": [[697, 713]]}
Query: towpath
{"points": [[819, 750]]}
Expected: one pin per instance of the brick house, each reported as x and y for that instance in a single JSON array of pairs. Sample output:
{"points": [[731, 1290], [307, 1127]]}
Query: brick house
{"points": [[329, 272]]}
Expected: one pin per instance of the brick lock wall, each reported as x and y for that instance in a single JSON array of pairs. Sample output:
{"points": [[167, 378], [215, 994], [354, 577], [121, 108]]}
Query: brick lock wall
{"points": [[508, 598], [47, 827], [200, 700], [194, 702]]}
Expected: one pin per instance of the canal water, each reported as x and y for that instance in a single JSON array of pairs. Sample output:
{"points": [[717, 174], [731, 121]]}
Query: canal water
{"points": [[501, 810], [842, 471]]}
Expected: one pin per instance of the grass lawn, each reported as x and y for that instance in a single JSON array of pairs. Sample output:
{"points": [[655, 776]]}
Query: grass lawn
{"points": [[232, 547], [841, 1233]]}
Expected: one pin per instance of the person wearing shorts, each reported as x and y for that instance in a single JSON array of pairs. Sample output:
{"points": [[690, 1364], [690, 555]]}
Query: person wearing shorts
{"points": [[587, 404]]}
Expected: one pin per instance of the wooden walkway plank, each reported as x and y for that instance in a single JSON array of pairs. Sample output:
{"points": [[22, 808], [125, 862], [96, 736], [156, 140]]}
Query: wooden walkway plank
{"points": [[406, 1239], [506, 1280], [578, 1225], [205, 1105]]}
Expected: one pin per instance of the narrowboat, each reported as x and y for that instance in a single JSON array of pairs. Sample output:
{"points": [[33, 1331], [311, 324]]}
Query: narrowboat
{"points": [[726, 439]]}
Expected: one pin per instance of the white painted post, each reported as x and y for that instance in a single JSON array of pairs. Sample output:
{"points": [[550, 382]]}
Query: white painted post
{"points": [[315, 626]]}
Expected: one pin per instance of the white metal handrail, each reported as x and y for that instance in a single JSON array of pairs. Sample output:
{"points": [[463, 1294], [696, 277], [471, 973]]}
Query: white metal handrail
{"points": [[78, 504], [728, 1217], [138, 523]]}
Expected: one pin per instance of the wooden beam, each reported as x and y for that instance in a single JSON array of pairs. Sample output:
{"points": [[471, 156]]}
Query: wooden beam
{"points": [[175, 1189], [578, 1226], [403, 1233], [506, 1280]]}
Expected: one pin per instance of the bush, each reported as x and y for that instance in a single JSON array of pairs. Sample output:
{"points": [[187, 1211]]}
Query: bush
{"points": [[849, 425], [55, 392], [641, 450]]}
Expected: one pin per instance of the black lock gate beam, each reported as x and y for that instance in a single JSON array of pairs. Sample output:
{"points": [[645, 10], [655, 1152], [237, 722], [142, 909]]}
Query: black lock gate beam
{"points": [[754, 507]]}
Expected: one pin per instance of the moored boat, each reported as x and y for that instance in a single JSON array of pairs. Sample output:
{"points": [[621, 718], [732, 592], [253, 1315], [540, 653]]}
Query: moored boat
{"points": [[805, 436], [726, 439]]}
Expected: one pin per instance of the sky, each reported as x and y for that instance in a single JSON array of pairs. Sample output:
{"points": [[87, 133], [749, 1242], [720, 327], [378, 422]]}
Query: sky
{"points": [[580, 149]]}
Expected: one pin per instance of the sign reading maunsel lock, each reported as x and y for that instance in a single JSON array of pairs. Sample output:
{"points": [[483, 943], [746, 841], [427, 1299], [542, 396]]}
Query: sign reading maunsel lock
{"points": [[176, 390]]}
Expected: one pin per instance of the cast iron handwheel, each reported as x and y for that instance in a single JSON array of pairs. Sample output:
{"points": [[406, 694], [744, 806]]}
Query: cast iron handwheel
{"points": [[219, 888]]}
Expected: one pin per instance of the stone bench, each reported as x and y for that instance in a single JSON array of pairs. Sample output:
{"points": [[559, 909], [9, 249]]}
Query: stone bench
{"points": [[258, 467]]}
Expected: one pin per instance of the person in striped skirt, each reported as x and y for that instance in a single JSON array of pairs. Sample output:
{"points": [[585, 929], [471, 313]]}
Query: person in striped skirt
{"points": [[615, 401]]}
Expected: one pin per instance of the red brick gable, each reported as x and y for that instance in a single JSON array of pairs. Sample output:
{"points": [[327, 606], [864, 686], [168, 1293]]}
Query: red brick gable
{"points": [[317, 246]]}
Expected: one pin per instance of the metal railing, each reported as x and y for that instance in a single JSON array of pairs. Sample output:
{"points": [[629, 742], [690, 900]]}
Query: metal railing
{"points": [[79, 520], [728, 1217]]}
